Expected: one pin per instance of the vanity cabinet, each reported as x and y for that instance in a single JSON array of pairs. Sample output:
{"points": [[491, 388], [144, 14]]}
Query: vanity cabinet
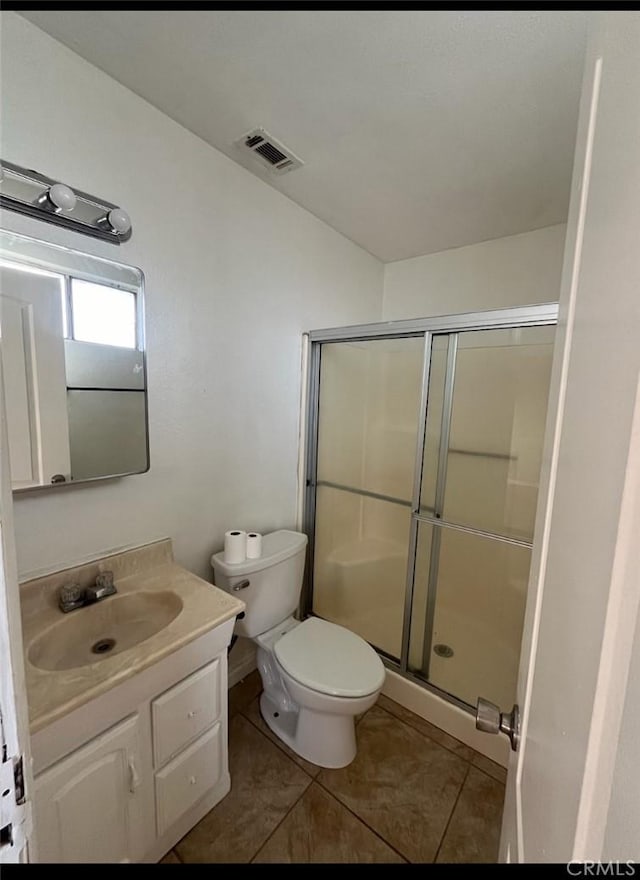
{"points": [[90, 807], [124, 777]]}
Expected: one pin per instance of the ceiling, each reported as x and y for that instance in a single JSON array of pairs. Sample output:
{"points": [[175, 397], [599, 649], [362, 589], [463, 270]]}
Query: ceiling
{"points": [[420, 130]]}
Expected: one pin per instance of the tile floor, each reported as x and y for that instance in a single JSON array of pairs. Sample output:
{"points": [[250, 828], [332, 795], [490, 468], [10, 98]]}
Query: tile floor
{"points": [[412, 794]]}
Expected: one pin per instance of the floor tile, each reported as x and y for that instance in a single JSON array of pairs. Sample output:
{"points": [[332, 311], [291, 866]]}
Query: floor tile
{"points": [[401, 784], [473, 834], [490, 767], [430, 730], [241, 694], [170, 859], [252, 712], [264, 786], [319, 829]]}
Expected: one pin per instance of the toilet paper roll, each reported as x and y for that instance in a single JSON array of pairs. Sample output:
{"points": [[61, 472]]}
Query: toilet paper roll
{"points": [[254, 545], [235, 546]]}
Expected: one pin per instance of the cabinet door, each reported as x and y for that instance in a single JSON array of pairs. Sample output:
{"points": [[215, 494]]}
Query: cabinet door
{"points": [[89, 806]]}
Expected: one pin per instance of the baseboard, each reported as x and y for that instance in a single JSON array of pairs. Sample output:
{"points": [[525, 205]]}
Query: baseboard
{"points": [[454, 721], [241, 669]]}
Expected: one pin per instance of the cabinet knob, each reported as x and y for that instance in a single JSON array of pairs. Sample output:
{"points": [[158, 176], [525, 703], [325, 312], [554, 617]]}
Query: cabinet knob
{"points": [[192, 714], [192, 780]]}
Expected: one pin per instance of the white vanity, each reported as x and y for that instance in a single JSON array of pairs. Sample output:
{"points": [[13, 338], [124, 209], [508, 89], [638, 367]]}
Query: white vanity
{"points": [[129, 747]]}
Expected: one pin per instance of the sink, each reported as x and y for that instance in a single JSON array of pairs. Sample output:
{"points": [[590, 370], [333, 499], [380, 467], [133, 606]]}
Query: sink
{"points": [[103, 629]]}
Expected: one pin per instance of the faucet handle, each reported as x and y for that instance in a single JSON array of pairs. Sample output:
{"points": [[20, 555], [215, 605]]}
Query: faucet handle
{"points": [[103, 587], [70, 596], [104, 579], [71, 593]]}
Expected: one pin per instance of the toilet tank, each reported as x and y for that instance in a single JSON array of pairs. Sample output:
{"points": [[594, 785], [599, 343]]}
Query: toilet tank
{"points": [[275, 581]]}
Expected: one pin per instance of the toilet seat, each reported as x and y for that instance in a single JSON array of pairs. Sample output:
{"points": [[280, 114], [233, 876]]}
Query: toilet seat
{"points": [[330, 659]]}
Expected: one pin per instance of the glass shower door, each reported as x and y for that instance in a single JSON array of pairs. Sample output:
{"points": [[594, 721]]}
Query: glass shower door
{"points": [[486, 415], [368, 416]]}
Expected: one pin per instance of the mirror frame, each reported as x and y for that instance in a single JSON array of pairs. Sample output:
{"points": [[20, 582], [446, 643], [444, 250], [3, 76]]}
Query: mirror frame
{"points": [[141, 342]]}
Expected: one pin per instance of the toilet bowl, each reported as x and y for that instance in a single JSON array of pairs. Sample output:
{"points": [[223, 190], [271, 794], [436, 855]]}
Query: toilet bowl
{"points": [[317, 676]]}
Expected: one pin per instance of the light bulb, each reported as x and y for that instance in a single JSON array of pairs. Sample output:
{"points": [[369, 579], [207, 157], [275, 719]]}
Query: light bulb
{"points": [[59, 198], [63, 197], [119, 220], [116, 220]]}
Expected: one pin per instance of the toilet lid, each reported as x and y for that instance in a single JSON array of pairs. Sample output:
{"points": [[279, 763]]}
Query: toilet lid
{"points": [[330, 659]]}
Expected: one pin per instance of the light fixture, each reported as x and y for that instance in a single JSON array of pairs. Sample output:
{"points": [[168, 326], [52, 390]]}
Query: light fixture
{"points": [[58, 197], [38, 196], [116, 220]]}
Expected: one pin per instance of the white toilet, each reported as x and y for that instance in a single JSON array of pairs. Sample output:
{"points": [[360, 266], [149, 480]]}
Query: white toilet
{"points": [[316, 676]]}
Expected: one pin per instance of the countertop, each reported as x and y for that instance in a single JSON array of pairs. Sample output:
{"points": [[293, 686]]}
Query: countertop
{"points": [[52, 694]]}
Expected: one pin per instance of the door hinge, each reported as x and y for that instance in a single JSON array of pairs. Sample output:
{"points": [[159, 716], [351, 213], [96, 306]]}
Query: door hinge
{"points": [[12, 793], [15, 810], [18, 780]]}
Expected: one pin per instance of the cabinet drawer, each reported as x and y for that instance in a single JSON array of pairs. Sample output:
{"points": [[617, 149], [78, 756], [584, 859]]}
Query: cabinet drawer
{"points": [[188, 777], [185, 711]]}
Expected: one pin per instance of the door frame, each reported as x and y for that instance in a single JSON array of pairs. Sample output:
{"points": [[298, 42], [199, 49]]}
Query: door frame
{"points": [[15, 742], [543, 314]]}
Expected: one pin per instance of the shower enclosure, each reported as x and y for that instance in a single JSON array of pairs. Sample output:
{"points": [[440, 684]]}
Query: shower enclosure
{"points": [[423, 457]]}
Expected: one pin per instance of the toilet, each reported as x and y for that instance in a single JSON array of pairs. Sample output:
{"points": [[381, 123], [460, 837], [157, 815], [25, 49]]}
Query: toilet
{"points": [[317, 676]]}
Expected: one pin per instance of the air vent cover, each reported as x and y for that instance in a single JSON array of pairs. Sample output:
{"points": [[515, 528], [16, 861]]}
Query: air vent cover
{"points": [[269, 151]]}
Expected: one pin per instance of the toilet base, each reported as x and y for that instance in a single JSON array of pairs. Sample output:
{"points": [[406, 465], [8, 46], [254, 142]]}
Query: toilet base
{"points": [[321, 738]]}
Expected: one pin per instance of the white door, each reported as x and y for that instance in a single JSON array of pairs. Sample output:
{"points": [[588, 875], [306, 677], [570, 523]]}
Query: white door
{"points": [[584, 586], [33, 358], [15, 756], [89, 807]]}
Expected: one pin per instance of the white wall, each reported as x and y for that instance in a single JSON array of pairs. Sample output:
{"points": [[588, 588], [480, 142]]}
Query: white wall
{"points": [[234, 273], [514, 271]]}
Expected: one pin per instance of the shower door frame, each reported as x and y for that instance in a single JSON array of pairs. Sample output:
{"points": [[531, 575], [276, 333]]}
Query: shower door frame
{"points": [[541, 315]]}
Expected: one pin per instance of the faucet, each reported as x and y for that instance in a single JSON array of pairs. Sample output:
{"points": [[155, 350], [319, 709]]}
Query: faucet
{"points": [[74, 596]]}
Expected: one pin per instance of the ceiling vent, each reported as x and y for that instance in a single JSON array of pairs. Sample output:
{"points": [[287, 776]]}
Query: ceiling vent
{"points": [[269, 151]]}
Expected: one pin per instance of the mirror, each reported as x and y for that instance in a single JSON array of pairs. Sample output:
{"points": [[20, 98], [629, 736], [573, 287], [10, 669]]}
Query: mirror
{"points": [[73, 365]]}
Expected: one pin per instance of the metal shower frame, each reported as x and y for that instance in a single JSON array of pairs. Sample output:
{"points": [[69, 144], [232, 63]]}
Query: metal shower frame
{"points": [[525, 316]]}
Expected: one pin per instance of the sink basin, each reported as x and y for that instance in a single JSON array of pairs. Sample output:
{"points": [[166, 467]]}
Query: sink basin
{"points": [[106, 628]]}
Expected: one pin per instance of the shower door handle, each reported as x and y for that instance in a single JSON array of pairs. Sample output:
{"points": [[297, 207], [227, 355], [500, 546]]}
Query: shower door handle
{"points": [[490, 719]]}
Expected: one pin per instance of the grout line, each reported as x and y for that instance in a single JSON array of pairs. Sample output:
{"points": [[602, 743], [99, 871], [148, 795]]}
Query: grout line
{"points": [[364, 822], [300, 796], [502, 782], [316, 779], [430, 738], [442, 745], [446, 827], [324, 788], [294, 804], [337, 798], [279, 744], [269, 740], [469, 761]]}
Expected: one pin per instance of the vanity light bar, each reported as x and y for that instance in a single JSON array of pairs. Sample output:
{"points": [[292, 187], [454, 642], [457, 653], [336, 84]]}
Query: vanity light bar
{"points": [[36, 195]]}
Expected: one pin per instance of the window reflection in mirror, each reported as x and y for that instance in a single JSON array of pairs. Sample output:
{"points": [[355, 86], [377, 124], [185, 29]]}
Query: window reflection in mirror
{"points": [[101, 314], [71, 334]]}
